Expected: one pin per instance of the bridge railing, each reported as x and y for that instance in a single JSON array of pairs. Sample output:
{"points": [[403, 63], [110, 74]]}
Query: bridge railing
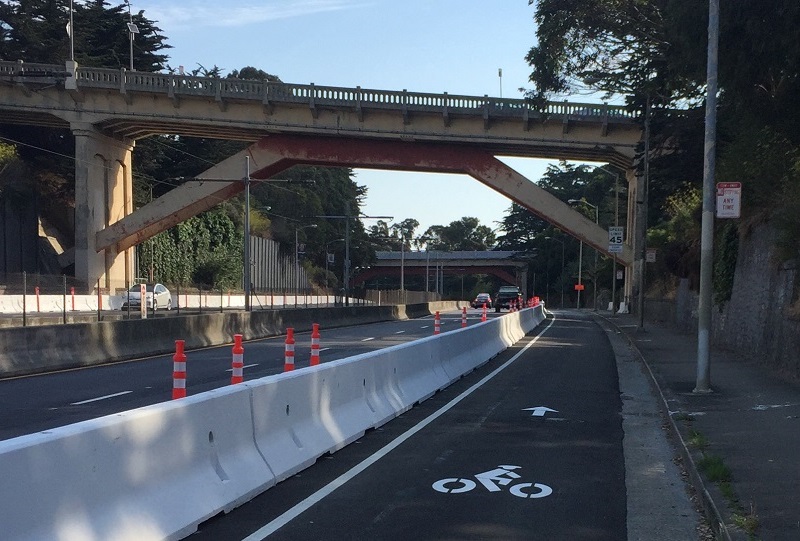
{"points": [[176, 85]]}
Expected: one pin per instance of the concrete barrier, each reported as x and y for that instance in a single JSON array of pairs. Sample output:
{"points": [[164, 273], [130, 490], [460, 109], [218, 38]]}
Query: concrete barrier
{"points": [[151, 473], [30, 350], [157, 472]]}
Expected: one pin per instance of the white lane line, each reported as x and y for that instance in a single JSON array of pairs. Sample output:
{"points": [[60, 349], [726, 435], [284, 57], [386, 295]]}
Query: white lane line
{"points": [[399, 332], [245, 366], [324, 349], [99, 398], [424, 326], [368, 339], [340, 481]]}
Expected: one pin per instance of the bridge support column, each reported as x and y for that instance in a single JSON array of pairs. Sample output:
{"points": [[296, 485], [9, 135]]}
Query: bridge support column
{"points": [[103, 195]]}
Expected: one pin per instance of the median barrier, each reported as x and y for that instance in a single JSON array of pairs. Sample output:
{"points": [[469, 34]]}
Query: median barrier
{"points": [[37, 349], [153, 473], [157, 472]]}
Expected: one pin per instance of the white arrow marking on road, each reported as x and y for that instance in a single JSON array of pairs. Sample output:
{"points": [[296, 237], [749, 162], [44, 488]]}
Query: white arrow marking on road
{"points": [[540, 411]]}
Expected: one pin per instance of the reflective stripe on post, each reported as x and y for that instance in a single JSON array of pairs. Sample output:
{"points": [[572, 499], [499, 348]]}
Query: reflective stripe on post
{"points": [[315, 344], [179, 371], [237, 365], [288, 356]]}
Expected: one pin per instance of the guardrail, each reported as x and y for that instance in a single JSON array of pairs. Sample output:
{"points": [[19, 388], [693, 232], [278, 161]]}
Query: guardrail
{"points": [[157, 472], [269, 92]]}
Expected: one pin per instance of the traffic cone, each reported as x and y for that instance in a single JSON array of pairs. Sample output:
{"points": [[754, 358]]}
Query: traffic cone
{"points": [[179, 371], [288, 356], [237, 365], [436, 323], [315, 344]]}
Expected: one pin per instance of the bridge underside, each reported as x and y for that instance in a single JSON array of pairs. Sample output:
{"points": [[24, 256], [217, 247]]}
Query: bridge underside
{"points": [[500, 272], [276, 153]]}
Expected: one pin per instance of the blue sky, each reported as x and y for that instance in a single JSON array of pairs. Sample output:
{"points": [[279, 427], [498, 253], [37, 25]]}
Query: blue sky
{"points": [[454, 46]]}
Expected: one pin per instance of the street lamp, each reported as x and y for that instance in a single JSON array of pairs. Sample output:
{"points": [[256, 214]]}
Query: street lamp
{"points": [[562, 266], [297, 256], [597, 222], [132, 29]]}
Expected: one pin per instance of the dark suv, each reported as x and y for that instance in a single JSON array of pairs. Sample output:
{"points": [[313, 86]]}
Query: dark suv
{"points": [[506, 294]]}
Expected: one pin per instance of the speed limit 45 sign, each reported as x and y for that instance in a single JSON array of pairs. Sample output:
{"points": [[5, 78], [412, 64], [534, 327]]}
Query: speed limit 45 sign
{"points": [[615, 239]]}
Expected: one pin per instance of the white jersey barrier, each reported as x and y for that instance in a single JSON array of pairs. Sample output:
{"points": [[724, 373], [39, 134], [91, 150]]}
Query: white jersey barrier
{"points": [[157, 472]]}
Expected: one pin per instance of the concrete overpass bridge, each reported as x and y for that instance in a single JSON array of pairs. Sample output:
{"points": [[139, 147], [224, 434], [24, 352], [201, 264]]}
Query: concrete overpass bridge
{"points": [[510, 267], [289, 124]]}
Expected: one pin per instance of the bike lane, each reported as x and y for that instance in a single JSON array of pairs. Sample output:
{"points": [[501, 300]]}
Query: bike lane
{"points": [[529, 447]]}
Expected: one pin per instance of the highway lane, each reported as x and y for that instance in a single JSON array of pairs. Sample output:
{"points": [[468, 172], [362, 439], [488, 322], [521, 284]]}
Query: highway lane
{"points": [[527, 447], [35, 403]]}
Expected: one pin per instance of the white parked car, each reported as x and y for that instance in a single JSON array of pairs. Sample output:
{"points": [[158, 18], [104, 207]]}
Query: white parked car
{"points": [[156, 296]]}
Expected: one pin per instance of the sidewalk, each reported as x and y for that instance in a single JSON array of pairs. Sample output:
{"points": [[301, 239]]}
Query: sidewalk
{"points": [[750, 423]]}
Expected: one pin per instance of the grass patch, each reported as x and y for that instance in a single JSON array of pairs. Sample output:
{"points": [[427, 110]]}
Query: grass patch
{"points": [[727, 491], [748, 522], [697, 440], [714, 468]]}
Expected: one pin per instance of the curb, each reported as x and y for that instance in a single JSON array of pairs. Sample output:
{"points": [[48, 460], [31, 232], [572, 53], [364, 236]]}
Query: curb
{"points": [[710, 508]]}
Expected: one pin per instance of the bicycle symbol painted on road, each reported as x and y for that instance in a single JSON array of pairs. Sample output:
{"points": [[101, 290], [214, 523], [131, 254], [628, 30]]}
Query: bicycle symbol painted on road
{"points": [[493, 480]]}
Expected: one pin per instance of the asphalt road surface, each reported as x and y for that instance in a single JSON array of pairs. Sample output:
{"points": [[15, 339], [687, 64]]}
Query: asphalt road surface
{"points": [[527, 447]]}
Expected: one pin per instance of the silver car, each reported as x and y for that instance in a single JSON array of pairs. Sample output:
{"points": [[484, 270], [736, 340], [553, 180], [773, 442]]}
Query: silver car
{"points": [[156, 296]]}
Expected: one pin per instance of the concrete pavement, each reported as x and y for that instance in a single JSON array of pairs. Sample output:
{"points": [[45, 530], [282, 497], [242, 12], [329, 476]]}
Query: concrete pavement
{"points": [[744, 438]]}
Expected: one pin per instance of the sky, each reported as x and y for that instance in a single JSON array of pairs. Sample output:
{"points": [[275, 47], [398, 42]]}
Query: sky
{"points": [[454, 46]]}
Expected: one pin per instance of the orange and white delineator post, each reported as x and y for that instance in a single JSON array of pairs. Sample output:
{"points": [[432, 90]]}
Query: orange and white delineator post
{"points": [[315, 344], [179, 371], [288, 355], [237, 364], [437, 327], [464, 317], [483, 315]]}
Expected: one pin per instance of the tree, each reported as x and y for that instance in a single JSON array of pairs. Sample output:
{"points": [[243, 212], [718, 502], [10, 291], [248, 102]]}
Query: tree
{"points": [[34, 30], [654, 53], [464, 234]]}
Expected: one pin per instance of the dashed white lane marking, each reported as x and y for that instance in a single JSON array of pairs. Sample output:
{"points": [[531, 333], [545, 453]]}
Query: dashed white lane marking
{"points": [[368, 339], [245, 366], [324, 349], [276, 524], [399, 332], [99, 398]]}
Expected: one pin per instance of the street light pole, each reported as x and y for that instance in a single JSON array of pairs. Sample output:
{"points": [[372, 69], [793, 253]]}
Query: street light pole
{"points": [[246, 247], [644, 201], [132, 29], [597, 222], [326, 258], [562, 266], [703, 382], [297, 257], [616, 224]]}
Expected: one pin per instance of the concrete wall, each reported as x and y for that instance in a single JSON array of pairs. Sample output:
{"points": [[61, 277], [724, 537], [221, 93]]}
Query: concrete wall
{"points": [[758, 320], [29, 350]]}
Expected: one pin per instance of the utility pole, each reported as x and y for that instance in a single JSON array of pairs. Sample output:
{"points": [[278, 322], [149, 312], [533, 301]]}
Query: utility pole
{"points": [[703, 383], [246, 269]]}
